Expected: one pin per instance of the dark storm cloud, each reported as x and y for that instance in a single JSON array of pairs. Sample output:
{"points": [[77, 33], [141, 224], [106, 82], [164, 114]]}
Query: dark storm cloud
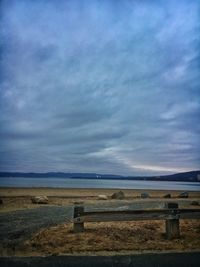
{"points": [[105, 86]]}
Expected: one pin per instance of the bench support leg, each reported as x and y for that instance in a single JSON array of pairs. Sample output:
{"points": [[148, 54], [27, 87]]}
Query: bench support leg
{"points": [[172, 225], [172, 229], [78, 226]]}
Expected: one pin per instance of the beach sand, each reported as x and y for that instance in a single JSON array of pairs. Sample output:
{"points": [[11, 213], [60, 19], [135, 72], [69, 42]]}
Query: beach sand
{"points": [[20, 198]]}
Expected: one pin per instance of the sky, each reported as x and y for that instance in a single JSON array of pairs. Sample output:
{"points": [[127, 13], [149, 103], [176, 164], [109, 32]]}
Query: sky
{"points": [[100, 86]]}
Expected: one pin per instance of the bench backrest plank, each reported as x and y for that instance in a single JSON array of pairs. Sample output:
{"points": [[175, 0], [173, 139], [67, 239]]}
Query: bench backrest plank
{"points": [[131, 215]]}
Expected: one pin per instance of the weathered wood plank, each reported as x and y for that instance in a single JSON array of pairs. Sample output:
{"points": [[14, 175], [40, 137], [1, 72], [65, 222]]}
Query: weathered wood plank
{"points": [[129, 215], [189, 214]]}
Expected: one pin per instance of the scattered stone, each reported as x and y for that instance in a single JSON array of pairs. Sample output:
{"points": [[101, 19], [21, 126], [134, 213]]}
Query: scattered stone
{"points": [[78, 202], [167, 196], [1, 201], [194, 203], [145, 195], [184, 195], [102, 197], [40, 200], [118, 195]]}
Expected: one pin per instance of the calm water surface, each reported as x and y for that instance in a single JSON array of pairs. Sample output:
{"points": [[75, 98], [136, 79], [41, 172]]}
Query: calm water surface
{"points": [[88, 183]]}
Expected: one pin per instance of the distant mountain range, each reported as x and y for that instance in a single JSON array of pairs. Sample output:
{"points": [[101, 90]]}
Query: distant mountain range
{"points": [[192, 176]]}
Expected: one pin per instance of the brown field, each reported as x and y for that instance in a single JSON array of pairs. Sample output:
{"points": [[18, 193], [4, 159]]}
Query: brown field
{"points": [[99, 238], [138, 236]]}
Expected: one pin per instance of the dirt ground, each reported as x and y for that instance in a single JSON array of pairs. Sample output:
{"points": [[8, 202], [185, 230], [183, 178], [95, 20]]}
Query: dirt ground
{"points": [[108, 237], [28, 229]]}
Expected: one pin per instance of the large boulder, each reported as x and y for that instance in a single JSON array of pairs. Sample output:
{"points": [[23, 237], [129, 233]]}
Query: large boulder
{"points": [[167, 196], [118, 195], [195, 203], [79, 202], [102, 197], [40, 200], [184, 195], [145, 195]]}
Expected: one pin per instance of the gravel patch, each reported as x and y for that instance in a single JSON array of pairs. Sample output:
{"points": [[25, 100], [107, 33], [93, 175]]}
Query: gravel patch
{"points": [[19, 225]]}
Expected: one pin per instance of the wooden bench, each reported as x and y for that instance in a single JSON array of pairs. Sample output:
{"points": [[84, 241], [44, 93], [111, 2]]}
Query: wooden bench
{"points": [[171, 214]]}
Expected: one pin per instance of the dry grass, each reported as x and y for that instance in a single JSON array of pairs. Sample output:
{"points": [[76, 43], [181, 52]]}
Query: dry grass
{"points": [[118, 236]]}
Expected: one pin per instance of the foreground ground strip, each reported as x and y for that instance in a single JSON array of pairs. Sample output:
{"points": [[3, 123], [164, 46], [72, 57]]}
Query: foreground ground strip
{"points": [[32, 230]]}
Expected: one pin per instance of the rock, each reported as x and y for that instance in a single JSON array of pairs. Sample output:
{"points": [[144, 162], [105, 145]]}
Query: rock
{"points": [[145, 195], [40, 200], [118, 195], [1, 201], [102, 197], [78, 202], [167, 196], [184, 195], [194, 203]]}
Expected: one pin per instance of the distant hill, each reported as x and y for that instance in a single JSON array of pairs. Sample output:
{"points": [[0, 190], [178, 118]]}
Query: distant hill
{"points": [[193, 176], [60, 175]]}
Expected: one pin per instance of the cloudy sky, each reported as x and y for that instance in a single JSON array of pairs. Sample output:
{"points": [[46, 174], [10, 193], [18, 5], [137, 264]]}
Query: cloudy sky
{"points": [[100, 86]]}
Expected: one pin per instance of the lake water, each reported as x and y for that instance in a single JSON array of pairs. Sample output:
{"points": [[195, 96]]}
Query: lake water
{"points": [[97, 183]]}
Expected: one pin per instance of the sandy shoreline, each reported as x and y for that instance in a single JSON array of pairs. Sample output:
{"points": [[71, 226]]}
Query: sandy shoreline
{"points": [[67, 192], [20, 198]]}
